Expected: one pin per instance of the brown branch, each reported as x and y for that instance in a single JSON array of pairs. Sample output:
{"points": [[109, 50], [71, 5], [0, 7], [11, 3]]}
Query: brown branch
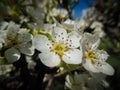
{"points": [[49, 83]]}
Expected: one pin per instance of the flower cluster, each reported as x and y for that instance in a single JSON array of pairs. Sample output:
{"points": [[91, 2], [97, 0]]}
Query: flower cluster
{"points": [[50, 36], [84, 82], [72, 48], [16, 41], [62, 46]]}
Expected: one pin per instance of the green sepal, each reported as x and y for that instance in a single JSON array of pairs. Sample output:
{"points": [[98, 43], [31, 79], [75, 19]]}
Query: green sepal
{"points": [[46, 34], [69, 67], [35, 32]]}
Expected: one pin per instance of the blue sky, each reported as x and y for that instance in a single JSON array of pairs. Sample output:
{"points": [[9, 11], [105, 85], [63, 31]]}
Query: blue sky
{"points": [[82, 5]]}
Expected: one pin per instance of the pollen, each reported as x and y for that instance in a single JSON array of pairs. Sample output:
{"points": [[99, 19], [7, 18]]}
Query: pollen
{"points": [[59, 48], [90, 55]]}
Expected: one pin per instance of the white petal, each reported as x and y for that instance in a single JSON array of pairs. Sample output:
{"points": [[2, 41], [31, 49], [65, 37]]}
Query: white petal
{"points": [[76, 34], [25, 37], [91, 41], [63, 13], [68, 85], [107, 69], [3, 25], [73, 56], [12, 30], [12, 55], [68, 82], [23, 30], [41, 43], [100, 77], [2, 36], [5, 68], [101, 55], [73, 41], [80, 25], [27, 49], [48, 28], [59, 34], [96, 24], [1, 45], [96, 41], [68, 79], [50, 59], [89, 66], [69, 24]]}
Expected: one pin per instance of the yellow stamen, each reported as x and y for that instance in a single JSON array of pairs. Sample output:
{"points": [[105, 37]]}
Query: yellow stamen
{"points": [[90, 55], [59, 48]]}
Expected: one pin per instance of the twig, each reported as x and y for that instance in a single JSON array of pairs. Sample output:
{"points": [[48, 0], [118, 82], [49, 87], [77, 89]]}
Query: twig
{"points": [[49, 83]]}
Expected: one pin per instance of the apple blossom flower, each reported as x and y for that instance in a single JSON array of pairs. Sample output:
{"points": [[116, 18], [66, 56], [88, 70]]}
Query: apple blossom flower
{"points": [[2, 38], [100, 78], [64, 46], [3, 26], [95, 59], [81, 82], [17, 41], [80, 25], [37, 15], [4, 69], [76, 25], [98, 28], [91, 13], [69, 24], [58, 12]]}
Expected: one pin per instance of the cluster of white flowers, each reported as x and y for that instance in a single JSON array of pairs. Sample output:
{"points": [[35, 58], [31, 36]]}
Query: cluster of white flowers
{"points": [[58, 42], [71, 47], [79, 81], [16, 41]]}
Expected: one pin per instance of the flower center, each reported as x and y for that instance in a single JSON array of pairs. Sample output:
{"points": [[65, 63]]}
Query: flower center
{"points": [[90, 55], [13, 42], [59, 48]]}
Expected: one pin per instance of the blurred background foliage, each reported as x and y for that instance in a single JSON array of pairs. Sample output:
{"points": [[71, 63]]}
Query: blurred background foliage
{"points": [[17, 10]]}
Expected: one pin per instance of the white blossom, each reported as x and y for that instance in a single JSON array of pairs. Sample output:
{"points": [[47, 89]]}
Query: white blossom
{"points": [[4, 69], [80, 25], [3, 26], [58, 12], [95, 59], [82, 82], [64, 46], [17, 41], [2, 38], [68, 24], [98, 28]]}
